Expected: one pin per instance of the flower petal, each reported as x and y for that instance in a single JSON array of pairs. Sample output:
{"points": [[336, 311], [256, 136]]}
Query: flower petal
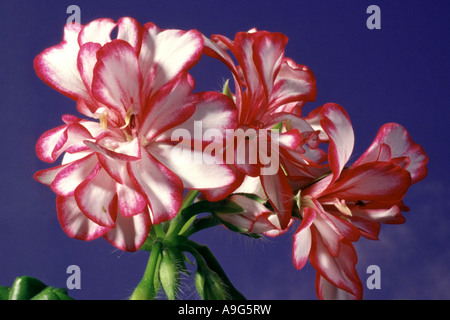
{"points": [[87, 58], [174, 99], [117, 79], [130, 232], [165, 54], [327, 291], [330, 234], [218, 194], [117, 150], [75, 223], [57, 66], [161, 187], [374, 181], [379, 212], [339, 271], [302, 239], [47, 176], [130, 201], [97, 31], [337, 126], [54, 142], [95, 197], [280, 195], [268, 53], [214, 113], [293, 83], [254, 218], [395, 137], [68, 179], [130, 30], [208, 173]]}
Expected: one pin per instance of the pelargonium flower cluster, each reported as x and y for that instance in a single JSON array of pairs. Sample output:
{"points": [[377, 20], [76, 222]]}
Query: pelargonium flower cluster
{"points": [[122, 170]]}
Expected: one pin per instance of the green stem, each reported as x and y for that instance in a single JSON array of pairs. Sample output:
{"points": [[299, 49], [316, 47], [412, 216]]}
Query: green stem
{"points": [[189, 198], [159, 231], [146, 288], [201, 224], [186, 214], [177, 223]]}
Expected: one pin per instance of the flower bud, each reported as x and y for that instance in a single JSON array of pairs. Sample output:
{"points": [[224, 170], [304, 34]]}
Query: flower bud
{"points": [[169, 274], [210, 285]]}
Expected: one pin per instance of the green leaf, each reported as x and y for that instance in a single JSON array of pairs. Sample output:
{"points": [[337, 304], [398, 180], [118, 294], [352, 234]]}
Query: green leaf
{"points": [[51, 293], [25, 288], [28, 288], [4, 293]]}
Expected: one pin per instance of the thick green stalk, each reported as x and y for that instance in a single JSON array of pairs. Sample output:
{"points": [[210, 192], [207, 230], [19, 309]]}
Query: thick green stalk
{"points": [[146, 288]]}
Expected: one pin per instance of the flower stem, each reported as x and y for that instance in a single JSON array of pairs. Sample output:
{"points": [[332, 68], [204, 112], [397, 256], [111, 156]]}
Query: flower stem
{"points": [[159, 231], [146, 288], [179, 221], [200, 224]]}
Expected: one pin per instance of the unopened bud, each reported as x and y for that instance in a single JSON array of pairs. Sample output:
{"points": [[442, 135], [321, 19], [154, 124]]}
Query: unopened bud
{"points": [[210, 285], [169, 274]]}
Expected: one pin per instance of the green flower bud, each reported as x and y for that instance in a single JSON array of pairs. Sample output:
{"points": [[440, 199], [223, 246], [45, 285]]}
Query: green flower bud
{"points": [[210, 285], [169, 274]]}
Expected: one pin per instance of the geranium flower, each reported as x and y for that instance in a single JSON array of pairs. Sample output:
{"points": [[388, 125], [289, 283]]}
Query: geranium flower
{"points": [[118, 175], [345, 204], [354, 201], [270, 90]]}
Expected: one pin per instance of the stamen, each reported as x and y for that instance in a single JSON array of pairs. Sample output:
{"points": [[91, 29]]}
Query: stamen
{"points": [[104, 120], [130, 112], [342, 207]]}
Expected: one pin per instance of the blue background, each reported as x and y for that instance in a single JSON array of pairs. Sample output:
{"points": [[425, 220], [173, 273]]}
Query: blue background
{"points": [[397, 74]]}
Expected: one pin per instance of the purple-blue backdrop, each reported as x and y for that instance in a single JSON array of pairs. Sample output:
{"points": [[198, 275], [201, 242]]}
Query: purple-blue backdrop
{"points": [[399, 73]]}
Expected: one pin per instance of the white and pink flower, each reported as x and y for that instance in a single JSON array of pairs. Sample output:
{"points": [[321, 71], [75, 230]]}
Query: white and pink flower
{"points": [[117, 176], [349, 202], [269, 89]]}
